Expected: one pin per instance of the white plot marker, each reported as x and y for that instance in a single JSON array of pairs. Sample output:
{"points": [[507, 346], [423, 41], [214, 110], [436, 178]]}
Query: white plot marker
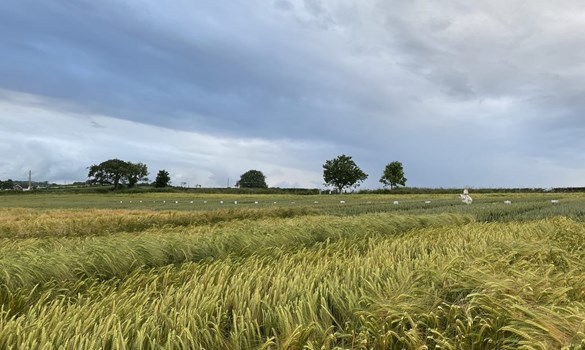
{"points": [[176, 202], [427, 202], [191, 202], [554, 201], [465, 198], [220, 202], [316, 202], [235, 202], [255, 202], [120, 202], [341, 202], [396, 202], [507, 202], [204, 202]]}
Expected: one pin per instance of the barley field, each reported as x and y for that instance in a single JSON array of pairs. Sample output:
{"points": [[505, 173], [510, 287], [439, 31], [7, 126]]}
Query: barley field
{"points": [[180, 271]]}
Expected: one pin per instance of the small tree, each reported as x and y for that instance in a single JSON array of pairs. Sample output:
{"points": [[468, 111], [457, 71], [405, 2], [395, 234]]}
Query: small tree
{"points": [[252, 179], [342, 172], [393, 175], [162, 179], [7, 185]]}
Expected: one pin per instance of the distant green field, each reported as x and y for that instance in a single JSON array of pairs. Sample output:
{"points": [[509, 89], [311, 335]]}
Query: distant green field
{"points": [[183, 271], [486, 207]]}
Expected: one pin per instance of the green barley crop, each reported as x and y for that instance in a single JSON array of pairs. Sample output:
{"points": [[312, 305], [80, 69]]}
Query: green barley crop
{"points": [[480, 286], [106, 257]]}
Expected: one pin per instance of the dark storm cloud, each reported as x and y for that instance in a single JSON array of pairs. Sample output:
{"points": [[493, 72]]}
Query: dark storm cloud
{"points": [[217, 72]]}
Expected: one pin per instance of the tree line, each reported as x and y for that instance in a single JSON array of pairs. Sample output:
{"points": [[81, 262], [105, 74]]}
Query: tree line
{"points": [[340, 173]]}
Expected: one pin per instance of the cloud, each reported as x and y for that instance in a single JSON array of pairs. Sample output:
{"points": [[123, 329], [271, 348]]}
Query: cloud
{"points": [[492, 87], [190, 157]]}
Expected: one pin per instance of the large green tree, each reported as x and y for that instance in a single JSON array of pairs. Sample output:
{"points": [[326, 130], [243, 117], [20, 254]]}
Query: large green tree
{"points": [[342, 172], [116, 172], [252, 179], [162, 179], [393, 175]]}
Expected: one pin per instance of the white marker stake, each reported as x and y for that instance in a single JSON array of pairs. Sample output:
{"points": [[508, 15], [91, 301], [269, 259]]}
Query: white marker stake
{"points": [[395, 202]]}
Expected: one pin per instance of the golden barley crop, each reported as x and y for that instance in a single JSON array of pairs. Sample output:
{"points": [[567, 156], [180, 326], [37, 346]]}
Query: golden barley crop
{"points": [[293, 279]]}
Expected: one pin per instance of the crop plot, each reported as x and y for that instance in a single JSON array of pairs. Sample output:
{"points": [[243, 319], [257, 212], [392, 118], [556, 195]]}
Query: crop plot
{"points": [[180, 273]]}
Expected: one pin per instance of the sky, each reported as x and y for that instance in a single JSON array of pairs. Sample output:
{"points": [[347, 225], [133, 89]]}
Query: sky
{"points": [[486, 93]]}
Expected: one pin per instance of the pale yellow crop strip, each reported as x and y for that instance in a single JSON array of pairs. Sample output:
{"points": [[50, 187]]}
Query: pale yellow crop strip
{"points": [[26, 223]]}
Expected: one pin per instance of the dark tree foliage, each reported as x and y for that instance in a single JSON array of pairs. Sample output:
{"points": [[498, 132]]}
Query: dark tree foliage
{"points": [[342, 172], [7, 185], [116, 172], [252, 179], [136, 172], [162, 179], [393, 175]]}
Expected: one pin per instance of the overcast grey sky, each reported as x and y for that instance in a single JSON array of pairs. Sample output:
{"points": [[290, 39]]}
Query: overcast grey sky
{"points": [[463, 93]]}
